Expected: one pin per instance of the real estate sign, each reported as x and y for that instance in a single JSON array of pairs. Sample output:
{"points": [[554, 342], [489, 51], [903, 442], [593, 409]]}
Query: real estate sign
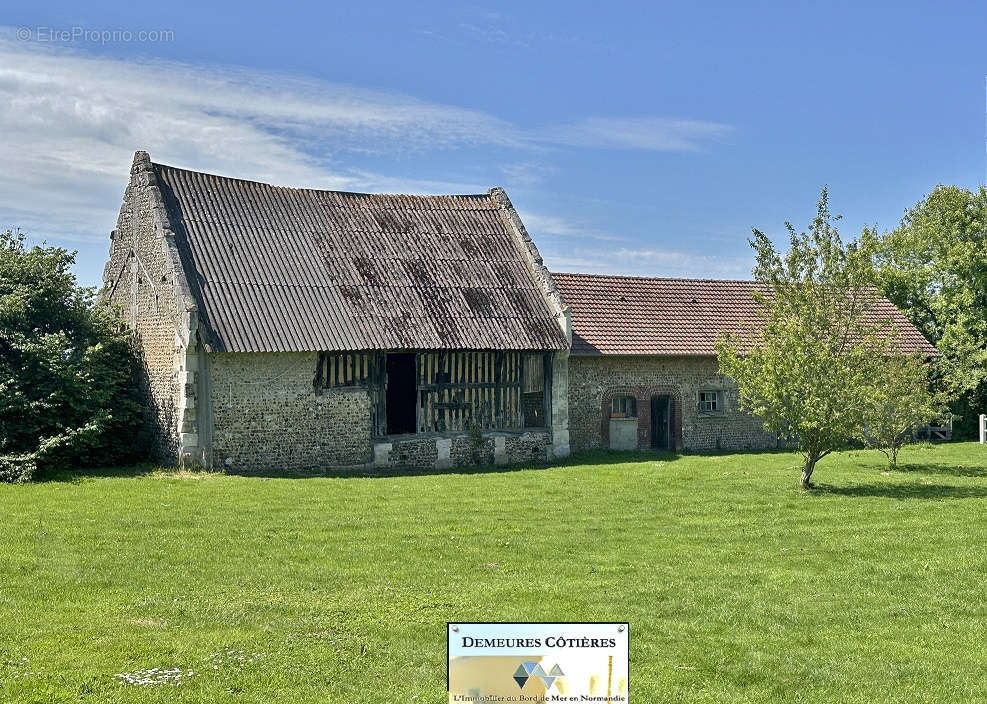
{"points": [[538, 662]]}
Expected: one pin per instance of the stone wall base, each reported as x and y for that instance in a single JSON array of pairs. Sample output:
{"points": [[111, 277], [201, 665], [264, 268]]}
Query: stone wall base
{"points": [[444, 450]]}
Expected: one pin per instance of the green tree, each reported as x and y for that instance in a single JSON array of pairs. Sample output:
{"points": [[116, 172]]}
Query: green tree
{"points": [[900, 401], [808, 371], [933, 266], [67, 370]]}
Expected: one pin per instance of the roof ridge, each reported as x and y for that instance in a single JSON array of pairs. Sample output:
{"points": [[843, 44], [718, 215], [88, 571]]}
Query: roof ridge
{"points": [[655, 278], [157, 165]]}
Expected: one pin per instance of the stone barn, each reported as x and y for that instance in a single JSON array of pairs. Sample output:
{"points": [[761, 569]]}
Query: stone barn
{"points": [[643, 370], [288, 329]]}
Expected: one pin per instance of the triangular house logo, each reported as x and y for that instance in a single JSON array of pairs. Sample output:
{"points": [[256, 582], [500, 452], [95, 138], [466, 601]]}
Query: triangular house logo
{"points": [[529, 669]]}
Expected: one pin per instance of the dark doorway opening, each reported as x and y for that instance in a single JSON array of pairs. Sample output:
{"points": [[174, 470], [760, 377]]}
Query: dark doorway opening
{"points": [[661, 422], [402, 394]]}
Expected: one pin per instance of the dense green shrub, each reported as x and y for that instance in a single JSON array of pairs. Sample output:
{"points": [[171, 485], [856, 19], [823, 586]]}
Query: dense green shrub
{"points": [[933, 266], [68, 391]]}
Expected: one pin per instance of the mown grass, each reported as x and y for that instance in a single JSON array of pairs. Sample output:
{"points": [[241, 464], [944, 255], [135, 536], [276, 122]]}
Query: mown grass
{"points": [[738, 587]]}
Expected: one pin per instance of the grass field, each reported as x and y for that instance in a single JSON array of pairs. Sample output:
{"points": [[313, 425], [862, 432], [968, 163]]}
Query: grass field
{"points": [[738, 587]]}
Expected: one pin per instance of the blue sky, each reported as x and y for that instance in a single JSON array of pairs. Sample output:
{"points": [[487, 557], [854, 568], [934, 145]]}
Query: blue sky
{"points": [[634, 138]]}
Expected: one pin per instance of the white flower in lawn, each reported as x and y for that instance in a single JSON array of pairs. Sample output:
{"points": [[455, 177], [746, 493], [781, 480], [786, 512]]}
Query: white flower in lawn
{"points": [[155, 676], [234, 657]]}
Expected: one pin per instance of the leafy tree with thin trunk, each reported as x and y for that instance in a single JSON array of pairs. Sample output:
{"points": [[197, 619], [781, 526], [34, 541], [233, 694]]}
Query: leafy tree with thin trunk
{"points": [[807, 371], [900, 401], [933, 266]]}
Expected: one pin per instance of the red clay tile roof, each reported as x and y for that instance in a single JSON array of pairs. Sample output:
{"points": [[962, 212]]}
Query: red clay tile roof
{"points": [[674, 317]]}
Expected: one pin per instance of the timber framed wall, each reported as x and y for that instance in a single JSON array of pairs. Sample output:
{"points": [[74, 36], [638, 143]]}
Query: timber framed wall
{"points": [[494, 389]]}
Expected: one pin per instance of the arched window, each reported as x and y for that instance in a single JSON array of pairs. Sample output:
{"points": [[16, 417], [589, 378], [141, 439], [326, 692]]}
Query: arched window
{"points": [[623, 407]]}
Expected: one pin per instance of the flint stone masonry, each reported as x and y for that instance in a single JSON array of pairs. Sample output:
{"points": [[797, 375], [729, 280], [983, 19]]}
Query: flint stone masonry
{"points": [[529, 446], [443, 450], [267, 415], [144, 280], [595, 380]]}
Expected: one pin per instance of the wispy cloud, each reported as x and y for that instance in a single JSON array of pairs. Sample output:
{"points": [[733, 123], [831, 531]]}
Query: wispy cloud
{"points": [[493, 32], [567, 245], [652, 133], [542, 224], [525, 173], [505, 31], [645, 261], [71, 121]]}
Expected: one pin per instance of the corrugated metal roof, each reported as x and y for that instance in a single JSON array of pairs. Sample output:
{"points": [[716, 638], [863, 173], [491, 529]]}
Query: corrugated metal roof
{"points": [[288, 269], [648, 316]]}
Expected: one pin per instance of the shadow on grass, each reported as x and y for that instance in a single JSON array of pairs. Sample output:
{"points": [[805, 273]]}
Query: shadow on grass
{"points": [[895, 490], [74, 475], [942, 469], [602, 458], [594, 457]]}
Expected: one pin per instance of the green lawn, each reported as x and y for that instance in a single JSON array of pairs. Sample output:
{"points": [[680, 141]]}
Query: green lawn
{"points": [[738, 587]]}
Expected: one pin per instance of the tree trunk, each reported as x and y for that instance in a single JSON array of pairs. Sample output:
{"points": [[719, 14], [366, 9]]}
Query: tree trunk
{"points": [[894, 457], [810, 464]]}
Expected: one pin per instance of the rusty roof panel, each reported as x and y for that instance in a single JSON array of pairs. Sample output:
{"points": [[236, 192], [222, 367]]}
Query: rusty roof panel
{"points": [[286, 269], [627, 315]]}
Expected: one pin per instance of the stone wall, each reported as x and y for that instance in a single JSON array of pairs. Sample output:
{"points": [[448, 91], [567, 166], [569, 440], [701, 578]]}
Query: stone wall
{"points": [[144, 280], [525, 447], [594, 381], [560, 400], [267, 416], [443, 450]]}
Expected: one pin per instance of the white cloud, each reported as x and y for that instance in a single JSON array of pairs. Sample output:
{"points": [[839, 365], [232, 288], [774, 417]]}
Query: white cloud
{"points": [[547, 224], [525, 174], [542, 224], [650, 261], [71, 121], [569, 246], [652, 133]]}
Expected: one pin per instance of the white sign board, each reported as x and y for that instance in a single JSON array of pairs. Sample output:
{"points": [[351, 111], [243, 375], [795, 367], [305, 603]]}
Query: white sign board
{"points": [[538, 662]]}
